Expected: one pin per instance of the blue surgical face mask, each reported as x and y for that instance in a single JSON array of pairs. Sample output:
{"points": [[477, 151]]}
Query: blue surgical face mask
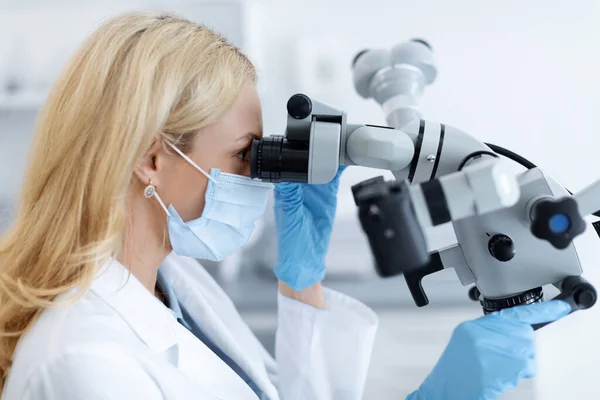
{"points": [[233, 203]]}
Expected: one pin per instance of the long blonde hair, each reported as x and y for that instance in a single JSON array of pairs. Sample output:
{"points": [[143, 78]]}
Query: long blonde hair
{"points": [[139, 77]]}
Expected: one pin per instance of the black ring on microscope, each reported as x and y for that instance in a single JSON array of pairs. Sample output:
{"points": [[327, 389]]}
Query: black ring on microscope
{"points": [[473, 155], [418, 144]]}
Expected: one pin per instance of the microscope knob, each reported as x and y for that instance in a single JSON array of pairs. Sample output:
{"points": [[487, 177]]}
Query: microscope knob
{"points": [[557, 221], [474, 293], [299, 106], [501, 247], [586, 298], [529, 297]]}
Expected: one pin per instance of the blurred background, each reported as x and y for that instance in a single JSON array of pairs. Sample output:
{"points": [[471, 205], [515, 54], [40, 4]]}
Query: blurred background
{"points": [[524, 75]]}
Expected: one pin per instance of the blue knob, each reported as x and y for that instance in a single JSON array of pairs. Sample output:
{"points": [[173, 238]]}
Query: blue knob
{"points": [[557, 221]]}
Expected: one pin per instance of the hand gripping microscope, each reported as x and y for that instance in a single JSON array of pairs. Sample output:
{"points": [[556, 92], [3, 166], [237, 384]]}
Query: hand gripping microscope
{"points": [[515, 233]]}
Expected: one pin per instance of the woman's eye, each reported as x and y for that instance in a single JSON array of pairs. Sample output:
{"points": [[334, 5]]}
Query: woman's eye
{"points": [[244, 155]]}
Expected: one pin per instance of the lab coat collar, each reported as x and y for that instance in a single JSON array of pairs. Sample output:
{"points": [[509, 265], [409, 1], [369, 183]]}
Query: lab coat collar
{"points": [[200, 301], [145, 314]]}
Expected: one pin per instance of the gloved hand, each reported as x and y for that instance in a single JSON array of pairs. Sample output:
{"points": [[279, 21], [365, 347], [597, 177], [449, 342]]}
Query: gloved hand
{"points": [[304, 215], [489, 355]]}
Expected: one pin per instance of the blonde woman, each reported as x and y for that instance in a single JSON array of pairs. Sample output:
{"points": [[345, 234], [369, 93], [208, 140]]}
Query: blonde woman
{"points": [[148, 126], [139, 166]]}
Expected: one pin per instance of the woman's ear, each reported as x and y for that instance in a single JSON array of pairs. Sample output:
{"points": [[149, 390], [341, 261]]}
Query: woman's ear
{"points": [[146, 169]]}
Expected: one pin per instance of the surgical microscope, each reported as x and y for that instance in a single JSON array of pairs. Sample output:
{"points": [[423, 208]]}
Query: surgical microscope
{"points": [[515, 233]]}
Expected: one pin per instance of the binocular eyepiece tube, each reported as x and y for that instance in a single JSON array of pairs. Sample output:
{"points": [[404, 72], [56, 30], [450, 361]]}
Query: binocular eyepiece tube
{"points": [[281, 158], [277, 159]]}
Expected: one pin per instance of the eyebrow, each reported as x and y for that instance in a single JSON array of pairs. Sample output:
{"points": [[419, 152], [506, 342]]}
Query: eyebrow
{"points": [[249, 135]]}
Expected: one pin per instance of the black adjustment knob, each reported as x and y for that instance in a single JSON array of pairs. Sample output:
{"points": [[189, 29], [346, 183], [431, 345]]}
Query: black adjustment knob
{"points": [[528, 297], [299, 106], [501, 247], [474, 293], [576, 291], [585, 298], [557, 221]]}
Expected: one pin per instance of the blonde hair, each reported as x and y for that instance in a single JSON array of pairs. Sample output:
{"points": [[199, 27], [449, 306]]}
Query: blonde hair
{"points": [[139, 77]]}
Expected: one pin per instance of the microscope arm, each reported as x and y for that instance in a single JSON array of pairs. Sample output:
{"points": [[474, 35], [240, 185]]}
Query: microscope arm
{"points": [[483, 186], [420, 151], [376, 147], [588, 199], [589, 203]]}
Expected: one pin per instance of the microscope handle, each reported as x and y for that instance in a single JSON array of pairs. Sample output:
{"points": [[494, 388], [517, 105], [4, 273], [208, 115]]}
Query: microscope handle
{"points": [[576, 291], [415, 276]]}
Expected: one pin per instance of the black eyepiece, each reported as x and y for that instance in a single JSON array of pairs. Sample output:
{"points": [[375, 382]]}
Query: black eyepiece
{"points": [[276, 159]]}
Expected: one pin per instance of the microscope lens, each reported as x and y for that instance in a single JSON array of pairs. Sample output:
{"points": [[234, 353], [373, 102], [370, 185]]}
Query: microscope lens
{"points": [[276, 159]]}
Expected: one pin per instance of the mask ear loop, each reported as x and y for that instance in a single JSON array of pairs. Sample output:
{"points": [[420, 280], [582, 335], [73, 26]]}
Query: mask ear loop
{"points": [[150, 191], [186, 158]]}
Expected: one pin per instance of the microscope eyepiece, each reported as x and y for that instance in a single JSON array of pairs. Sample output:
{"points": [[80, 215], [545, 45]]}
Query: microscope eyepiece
{"points": [[308, 152], [276, 159]]}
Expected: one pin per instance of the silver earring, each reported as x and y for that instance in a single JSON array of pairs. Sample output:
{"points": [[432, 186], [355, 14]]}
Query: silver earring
{"points": [[149, 191]]}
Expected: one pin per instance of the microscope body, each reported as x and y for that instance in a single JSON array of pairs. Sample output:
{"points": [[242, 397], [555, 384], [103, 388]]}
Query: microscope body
{"points": [[505, 258], [495, 248], [515, 232]]}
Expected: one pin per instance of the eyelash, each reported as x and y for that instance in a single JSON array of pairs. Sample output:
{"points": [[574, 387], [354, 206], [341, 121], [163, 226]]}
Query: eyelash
{"points": [[241, 155]]}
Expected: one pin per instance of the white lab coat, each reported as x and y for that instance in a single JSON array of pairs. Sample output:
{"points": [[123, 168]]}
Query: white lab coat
{"points": [[120, 342]]}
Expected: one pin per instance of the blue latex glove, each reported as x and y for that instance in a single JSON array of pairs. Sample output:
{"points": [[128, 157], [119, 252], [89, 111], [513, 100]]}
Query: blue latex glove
{"points": [[304, 217], [489, 355]]}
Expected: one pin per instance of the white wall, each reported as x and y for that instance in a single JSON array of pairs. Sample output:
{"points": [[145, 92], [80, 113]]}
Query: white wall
{"points": [[521, 74], [36, 39]]}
